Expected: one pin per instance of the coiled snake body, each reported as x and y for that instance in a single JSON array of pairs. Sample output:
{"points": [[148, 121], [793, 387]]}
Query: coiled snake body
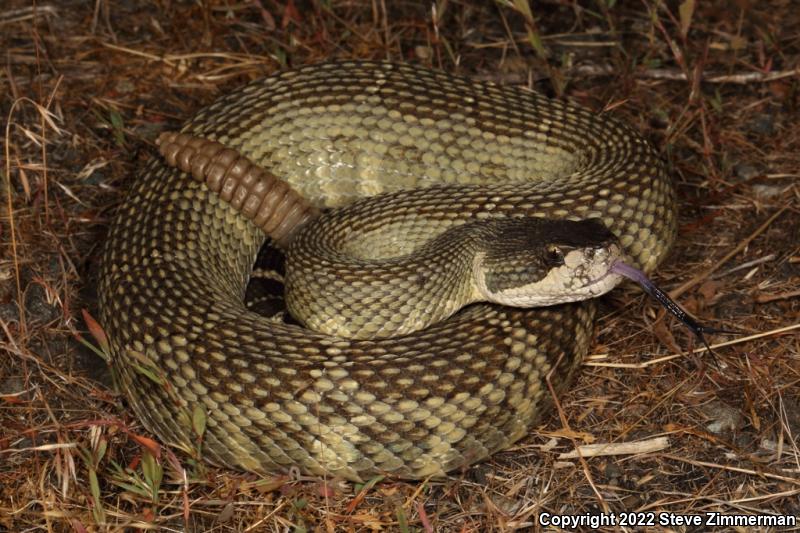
{"points": [[275, 395]]}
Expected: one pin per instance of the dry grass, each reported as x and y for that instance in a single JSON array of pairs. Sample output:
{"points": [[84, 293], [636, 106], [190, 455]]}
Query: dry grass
{"points": [[86, 87]]}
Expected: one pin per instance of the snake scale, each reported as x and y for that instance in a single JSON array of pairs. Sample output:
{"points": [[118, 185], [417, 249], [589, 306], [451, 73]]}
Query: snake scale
{"points": [[275, 395]]}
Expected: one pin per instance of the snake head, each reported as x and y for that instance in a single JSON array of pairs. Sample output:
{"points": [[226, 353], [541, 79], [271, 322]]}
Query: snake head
{"points": [[533, 262]]}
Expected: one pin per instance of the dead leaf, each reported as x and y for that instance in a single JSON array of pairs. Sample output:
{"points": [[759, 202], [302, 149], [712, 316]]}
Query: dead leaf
{"points": [[664, 335], [146, 442], [738, 43], [96, 330], [266, 485], [709, 290], [587, 438]]}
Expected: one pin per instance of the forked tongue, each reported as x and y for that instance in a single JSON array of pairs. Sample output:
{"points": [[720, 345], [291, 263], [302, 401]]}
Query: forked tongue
{"points": [[650, 288]]}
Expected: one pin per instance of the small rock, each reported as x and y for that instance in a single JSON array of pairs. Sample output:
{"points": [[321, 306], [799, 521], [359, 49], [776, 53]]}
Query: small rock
{"points": [[746, 171], [11, 385], [763, 124], [632, 501], [423, 52], [480, 474], [125, 86], [509, 506], [613, 472], [36, 305], [9, 312], [724, 418], [762, 190]]}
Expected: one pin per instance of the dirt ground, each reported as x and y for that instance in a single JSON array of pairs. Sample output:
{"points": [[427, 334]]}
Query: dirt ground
{"points": [[87, 87]]}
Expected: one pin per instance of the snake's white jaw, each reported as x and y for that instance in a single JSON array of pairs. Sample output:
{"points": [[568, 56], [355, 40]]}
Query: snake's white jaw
{"points": [[583, 273]]}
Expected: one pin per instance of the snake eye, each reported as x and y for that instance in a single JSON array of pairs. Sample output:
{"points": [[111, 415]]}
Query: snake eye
{"points": [[554, 256]]}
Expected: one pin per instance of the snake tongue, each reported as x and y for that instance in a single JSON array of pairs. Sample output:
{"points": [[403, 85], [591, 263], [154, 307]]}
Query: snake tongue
{"points": [[668, 303]]}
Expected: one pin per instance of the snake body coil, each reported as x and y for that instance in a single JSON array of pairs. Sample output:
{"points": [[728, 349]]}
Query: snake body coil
{"points": [[178, 257]]}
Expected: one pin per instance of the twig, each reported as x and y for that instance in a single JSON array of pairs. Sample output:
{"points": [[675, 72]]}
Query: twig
{"points": [[565, 424], [677, 75], [617, 448], [792, 480], [765, 298], [749, 338], [666, 358], [26, 13], [740, 78], [643, 364], [675, 293], [747, 264], [42, 448]]}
